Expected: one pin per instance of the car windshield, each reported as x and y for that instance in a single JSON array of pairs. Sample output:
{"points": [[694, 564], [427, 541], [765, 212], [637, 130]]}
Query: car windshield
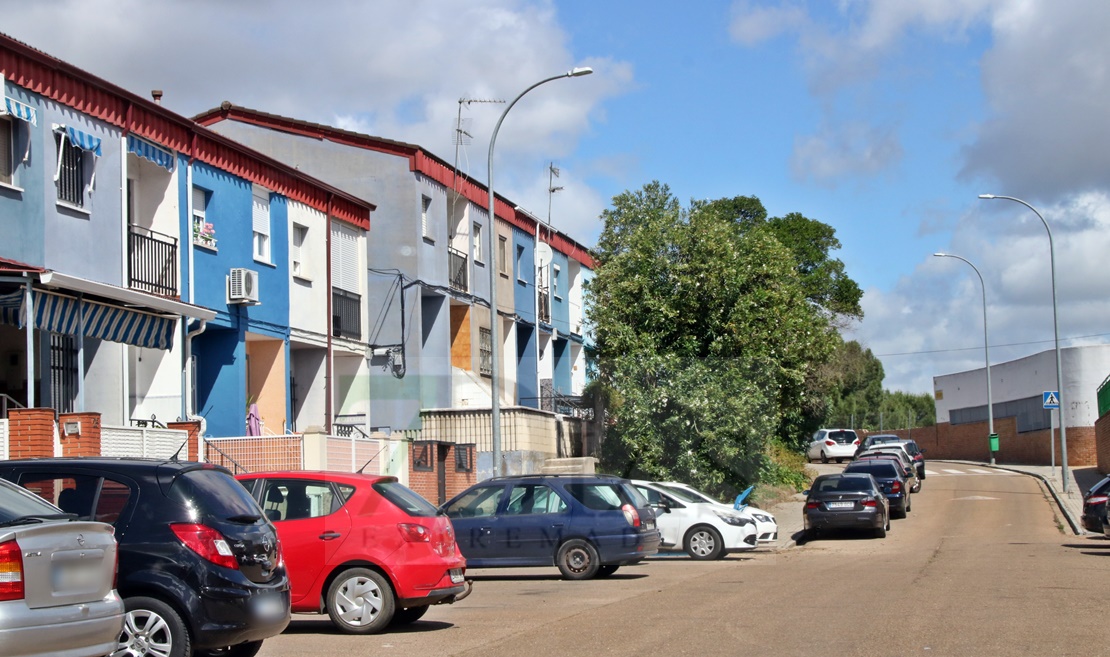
{"points": [[406, 499], [215, 494], [684, 495], [842, 483], [842, 437], [872, 468]]}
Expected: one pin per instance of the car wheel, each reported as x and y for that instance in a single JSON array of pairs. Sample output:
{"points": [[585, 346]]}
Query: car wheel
{"points": [[704, 543], [248, 649], [360, 601], [824, 457], [909, 503], [880, 532], [152, 627], [605, 571], [577, 559], [410, 615]]}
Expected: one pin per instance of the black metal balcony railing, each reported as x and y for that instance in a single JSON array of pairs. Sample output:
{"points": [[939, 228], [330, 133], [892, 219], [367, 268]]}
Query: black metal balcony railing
{"points": [[485, 352], [346, 321], [457, 269], [544, 305], [152, 262]]}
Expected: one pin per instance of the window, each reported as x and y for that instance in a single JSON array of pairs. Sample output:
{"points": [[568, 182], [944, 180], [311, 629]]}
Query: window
{"points": [[71, 172], [526, 499], [464, 458], [555, 271], [297, 252], [422, 457], [7, 159], [502, 256], [477, 243], [479, 502], [260, 214], [294, 499], [485, 351], [425, 206], [204, 234], [520, 264]]}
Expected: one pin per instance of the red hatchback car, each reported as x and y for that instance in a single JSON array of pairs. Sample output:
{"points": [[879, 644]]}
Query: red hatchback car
{"points": [[367, 550]]}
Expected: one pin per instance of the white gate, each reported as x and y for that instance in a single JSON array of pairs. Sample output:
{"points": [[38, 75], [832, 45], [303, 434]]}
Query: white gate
{"points": [[143, 442]]}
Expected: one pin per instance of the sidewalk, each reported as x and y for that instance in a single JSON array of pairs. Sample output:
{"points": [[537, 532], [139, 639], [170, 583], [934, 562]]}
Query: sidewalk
{"points": [[789, 514]]}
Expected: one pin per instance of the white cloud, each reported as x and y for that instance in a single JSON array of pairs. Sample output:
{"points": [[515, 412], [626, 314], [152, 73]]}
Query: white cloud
{"points": [[847, 149]]}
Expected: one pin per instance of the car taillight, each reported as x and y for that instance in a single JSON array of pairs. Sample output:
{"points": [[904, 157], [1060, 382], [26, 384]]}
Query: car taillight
{"points": [[811, 505], [11, 571], [206, 542], [830, 443], [870, 503], [1097, 499], [280, 554], [896, 487], [856, 441], [631, 515], [413, 533]]}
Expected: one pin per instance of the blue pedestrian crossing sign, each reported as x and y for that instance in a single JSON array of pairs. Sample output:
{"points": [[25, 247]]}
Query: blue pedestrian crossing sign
{"points": [[1051, 399]]}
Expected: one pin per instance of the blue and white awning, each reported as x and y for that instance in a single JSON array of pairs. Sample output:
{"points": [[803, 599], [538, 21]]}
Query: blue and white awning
{"points": [[147, 150], [20, 110], [83, 140], [62, 314], [11, 308]]}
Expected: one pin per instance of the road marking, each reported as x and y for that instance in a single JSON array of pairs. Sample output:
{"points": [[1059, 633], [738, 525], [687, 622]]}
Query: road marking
{"points": [[954, 471], [973, 498], [978, 471]]}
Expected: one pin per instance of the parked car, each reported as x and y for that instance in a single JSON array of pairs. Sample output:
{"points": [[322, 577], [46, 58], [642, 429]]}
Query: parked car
{"points": [[364, 549], [918, 455], [687, 522], [851, 500], [897, 452], [200, 568], [1094, 505], [827, 444], [767, 528], [587, 525], [876, 439], [890, 440], [57, 580], [890, 479]]}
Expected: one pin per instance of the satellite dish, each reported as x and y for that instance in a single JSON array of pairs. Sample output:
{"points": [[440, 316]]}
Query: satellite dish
{"points": [[543, 254]]}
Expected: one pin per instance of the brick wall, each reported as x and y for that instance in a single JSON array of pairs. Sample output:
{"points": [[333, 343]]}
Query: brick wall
{"points": [[194, 438], [30, 432], [83, 442], [442, 455], [1102, 443], [969, 442]]}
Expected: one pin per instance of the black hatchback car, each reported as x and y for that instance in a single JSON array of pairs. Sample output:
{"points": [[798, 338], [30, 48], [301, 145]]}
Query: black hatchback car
{"points": [[200, 568]]}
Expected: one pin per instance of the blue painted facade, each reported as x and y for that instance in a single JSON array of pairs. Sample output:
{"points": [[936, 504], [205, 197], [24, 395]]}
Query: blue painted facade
{"points": [[524, 306]]}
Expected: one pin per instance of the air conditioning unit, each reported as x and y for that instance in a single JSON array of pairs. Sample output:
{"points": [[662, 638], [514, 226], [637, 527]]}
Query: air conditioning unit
{"points": [[242, 286]]}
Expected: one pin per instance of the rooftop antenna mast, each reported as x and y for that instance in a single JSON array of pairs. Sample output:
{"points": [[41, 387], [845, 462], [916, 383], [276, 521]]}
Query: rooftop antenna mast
{"points": [[462, 137], [552, 174]]}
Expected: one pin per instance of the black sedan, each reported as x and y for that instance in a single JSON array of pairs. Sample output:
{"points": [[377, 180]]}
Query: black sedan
{"points": [[890, 479], [1094, 506], [845, 500]]}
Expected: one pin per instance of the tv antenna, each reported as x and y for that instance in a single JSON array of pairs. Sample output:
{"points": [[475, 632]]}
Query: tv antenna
{"points": [[552, 174], [462, 137]]}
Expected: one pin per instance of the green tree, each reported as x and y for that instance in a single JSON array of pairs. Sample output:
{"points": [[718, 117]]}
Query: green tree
{"points": [[704, 335]]}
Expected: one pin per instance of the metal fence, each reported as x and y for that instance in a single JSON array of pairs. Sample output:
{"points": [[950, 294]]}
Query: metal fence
{"points": [[143, 442]]}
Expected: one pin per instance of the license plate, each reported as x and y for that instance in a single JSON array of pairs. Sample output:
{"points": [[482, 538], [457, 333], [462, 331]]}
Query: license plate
{"points": [[840, 505], [649, 524], [456, 576], [77, 575], [270, 607]]}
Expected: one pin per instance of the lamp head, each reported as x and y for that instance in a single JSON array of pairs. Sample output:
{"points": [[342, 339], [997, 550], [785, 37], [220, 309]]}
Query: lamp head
{"points": [[940, 255], [579, 71], [987, 196]]}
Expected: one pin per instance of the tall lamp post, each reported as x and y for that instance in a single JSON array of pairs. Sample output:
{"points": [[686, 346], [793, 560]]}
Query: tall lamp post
{"points": [[1056, 329], [986, 349], [495, 357]]}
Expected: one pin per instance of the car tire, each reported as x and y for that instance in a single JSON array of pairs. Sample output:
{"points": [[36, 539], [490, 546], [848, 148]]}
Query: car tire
{"points": [[577, 559], [704, 543], [605, 571], [360, 601], [248, 649], [151, 623], [824, 457], [880, 532], [909, 503], [407, 616]]}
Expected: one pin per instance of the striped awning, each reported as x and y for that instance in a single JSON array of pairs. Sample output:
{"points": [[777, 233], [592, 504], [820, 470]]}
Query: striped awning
{"points": [[62, 314], [83, 140], [11, 308], [20, 110], [149, 151]]}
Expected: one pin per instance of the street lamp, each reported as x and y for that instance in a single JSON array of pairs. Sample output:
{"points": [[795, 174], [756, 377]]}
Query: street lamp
{"points": [[495, 356], [1056, 329], [986, 348]]}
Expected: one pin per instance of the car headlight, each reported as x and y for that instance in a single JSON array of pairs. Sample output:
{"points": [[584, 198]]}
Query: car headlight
{"points": [[735, 520], [762, 517]]}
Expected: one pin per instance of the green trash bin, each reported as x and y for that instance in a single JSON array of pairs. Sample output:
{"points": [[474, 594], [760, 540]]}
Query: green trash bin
{"points": [[994, 442]]}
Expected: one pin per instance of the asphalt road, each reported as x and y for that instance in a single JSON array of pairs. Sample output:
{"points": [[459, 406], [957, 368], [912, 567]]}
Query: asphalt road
{"points": [[981, 566]]}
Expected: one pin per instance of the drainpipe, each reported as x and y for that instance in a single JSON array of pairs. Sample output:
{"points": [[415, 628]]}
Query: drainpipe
{"points": [[189, 386], [328, 400]]}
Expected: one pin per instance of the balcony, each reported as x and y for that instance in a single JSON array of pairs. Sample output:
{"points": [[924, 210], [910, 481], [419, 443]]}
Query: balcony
{"points": [[152, 262], [346, 316], [543, 306], [457, 269]]}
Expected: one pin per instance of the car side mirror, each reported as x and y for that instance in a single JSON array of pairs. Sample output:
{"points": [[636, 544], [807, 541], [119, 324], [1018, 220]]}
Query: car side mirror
{"points": [[805, 492], [660, 507], [921, 450]]}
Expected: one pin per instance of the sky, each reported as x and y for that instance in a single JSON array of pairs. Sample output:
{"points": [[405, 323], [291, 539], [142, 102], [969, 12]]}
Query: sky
{"points": [[883, 119]]}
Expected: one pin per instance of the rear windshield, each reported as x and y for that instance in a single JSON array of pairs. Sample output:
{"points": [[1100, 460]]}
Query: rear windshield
{"points": [[213, 493], [842, 437], [606, 496], [877, 469], [842, 484], [406, 499]]}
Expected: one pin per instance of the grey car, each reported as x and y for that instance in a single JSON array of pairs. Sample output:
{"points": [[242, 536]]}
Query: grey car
{"points": [[846, 501], [57, 578]]}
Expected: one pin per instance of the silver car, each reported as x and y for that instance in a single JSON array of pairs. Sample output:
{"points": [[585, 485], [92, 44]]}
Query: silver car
{"points": [[57, 579]]}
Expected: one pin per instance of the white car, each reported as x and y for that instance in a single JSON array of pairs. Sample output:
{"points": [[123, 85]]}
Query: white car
{"points": [[828, 444], [767, 528], [701, 530]]}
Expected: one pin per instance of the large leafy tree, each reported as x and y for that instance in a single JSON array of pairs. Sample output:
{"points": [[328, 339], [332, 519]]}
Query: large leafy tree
{"points": [[705, 333]]}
